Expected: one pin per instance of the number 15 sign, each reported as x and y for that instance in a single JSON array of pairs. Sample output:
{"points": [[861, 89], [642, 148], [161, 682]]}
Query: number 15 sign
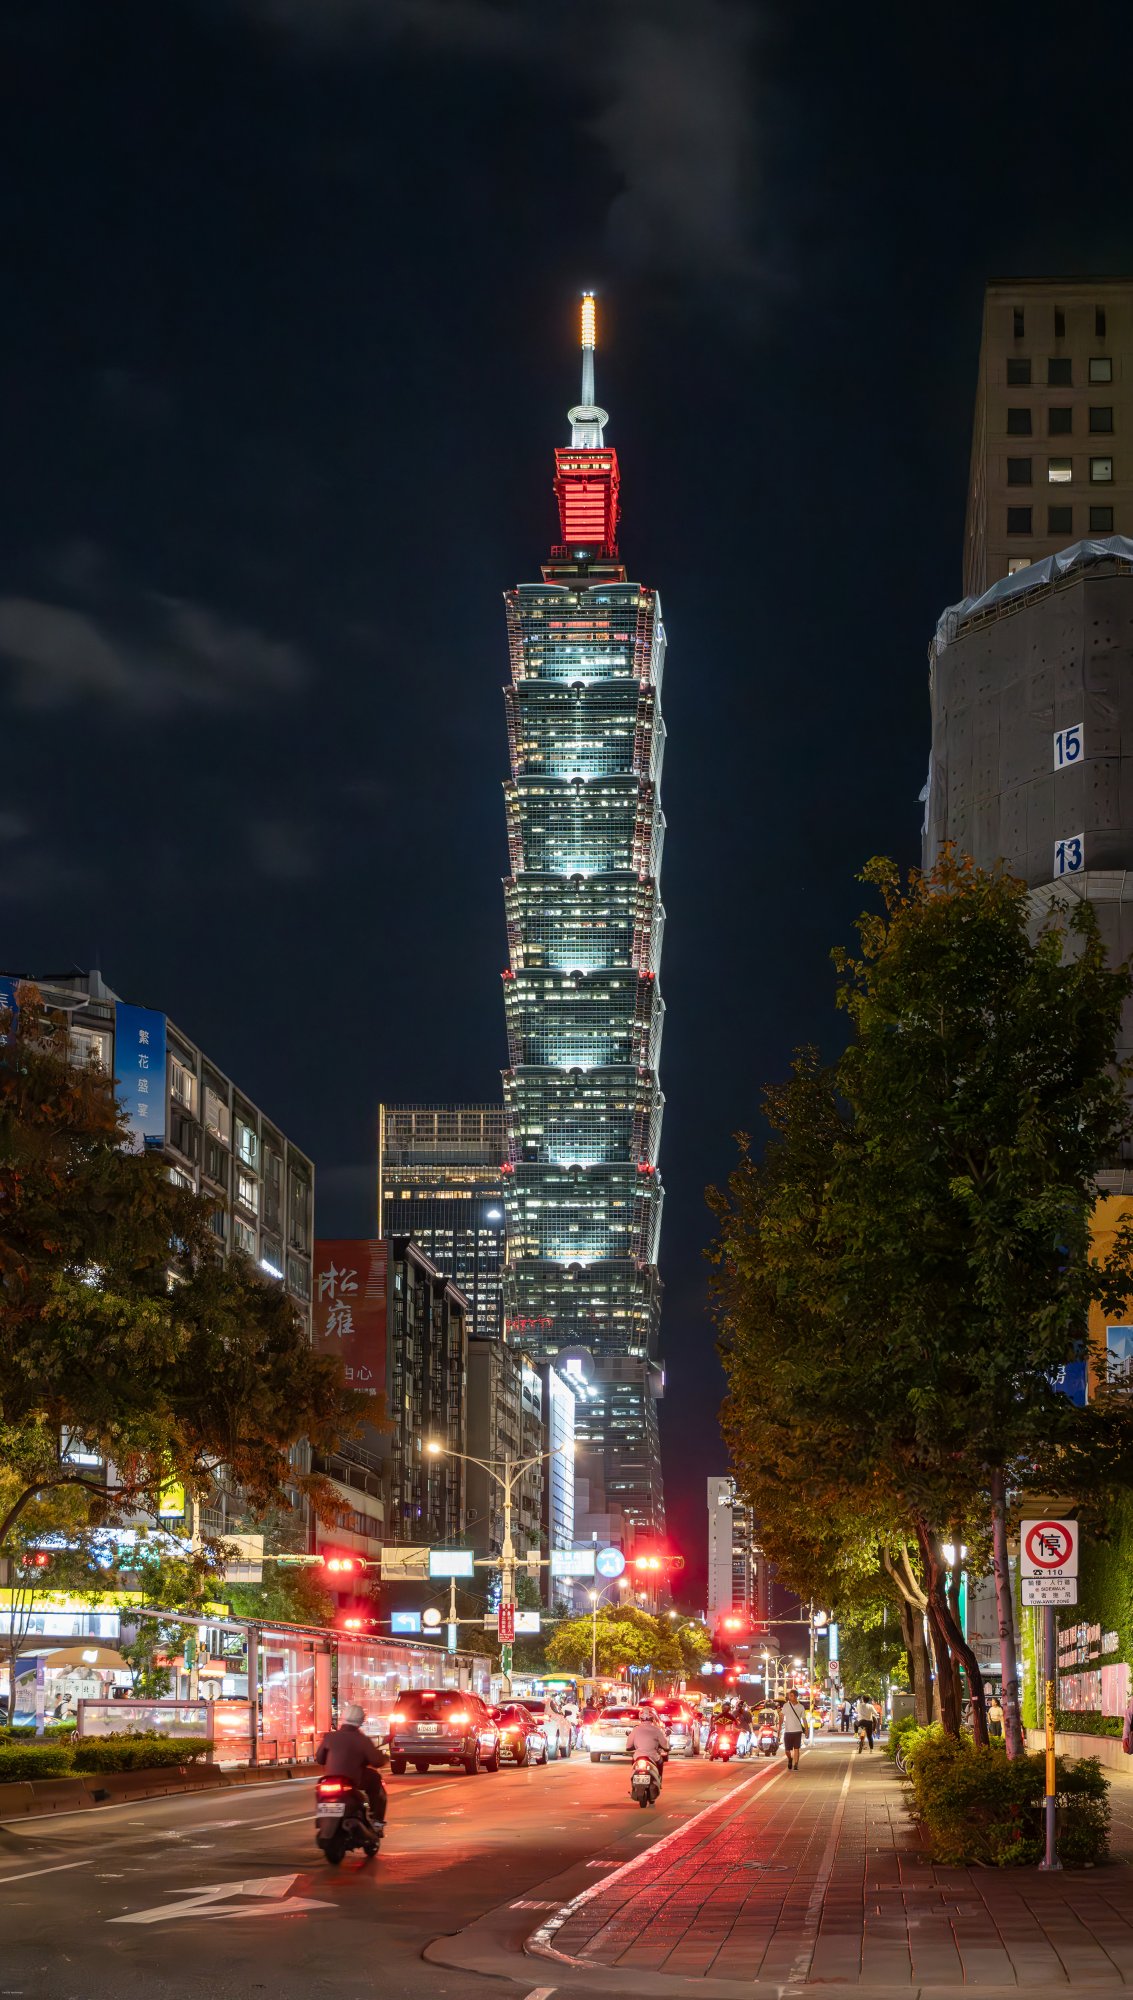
{"points": [[1048, 1548]]}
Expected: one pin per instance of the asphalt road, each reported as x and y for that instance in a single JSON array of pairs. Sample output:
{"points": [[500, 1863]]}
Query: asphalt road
{"points": [[227, 1897]]}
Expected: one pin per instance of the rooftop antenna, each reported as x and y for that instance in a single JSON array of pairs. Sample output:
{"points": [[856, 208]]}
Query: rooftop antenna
{"points": [[587, 418]]}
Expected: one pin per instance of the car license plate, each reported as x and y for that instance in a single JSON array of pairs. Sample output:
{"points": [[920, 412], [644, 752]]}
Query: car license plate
{"points": [[428, 1729], [326, 1809]]}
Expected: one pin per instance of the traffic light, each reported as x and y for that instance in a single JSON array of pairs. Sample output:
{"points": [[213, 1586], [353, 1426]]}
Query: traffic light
{"points": [[341, 1564], [35, 1559]]}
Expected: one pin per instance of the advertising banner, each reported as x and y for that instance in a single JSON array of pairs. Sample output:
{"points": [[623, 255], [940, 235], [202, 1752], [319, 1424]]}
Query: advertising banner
{"points": [[139, 1072], [350, 1310], [451, 1562]]}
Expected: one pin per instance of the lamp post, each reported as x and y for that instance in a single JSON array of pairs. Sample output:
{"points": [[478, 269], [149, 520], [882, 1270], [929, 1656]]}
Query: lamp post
{"points": [[596, 1597], [513, 1471]]}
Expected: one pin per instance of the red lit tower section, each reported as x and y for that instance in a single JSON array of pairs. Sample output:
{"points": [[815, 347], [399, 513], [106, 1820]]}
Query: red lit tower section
{"points": [[586, 488]]}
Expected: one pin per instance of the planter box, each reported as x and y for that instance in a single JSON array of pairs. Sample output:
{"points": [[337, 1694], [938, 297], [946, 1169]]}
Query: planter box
{"points": [[1107, 1749]]}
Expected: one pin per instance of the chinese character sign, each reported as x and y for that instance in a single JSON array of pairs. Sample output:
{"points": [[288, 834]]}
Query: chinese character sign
{"points": [[350, 1310], [139, 1072]]}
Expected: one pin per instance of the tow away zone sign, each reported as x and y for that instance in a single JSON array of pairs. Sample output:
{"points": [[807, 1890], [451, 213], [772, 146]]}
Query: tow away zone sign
{"points": [[1048, 1561]]}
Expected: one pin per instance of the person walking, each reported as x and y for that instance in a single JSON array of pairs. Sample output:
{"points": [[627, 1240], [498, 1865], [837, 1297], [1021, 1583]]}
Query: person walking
{"points": [[866, 1719], [794, 1724], [995, 1716], [844, 1718]]}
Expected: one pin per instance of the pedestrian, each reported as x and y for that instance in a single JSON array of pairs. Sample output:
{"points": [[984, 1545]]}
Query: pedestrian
{"points": [[1127, 1730], [866, 1719], [844, 1718], [794, 1724], [995, 1716]]}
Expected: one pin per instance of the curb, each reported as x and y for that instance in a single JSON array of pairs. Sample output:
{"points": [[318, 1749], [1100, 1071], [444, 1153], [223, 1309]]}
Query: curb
{"points": [[39, 1798]]}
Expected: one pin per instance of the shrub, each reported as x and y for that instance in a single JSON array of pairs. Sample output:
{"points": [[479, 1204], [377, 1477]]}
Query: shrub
{"points": [[138, 1752], [975, 1805], [899, 1731], [20, 1762]]}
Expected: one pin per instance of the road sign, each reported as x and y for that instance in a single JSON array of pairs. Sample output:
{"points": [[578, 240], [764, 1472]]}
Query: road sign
{"points": [[404, 1564], [1050, 1590], [431, 1618], [609, 1562], [405, 1621], [1048, 1548], [451, 1562], [507, 1623], [572, 1562]]}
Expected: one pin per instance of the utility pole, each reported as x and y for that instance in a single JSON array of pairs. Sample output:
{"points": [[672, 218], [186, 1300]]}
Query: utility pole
{"points": [[507, 1585]]}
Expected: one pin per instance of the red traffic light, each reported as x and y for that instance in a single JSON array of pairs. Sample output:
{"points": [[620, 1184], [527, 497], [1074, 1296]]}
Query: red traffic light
{"points": [[35, 1559], [733, 1624], [340, 1563]]}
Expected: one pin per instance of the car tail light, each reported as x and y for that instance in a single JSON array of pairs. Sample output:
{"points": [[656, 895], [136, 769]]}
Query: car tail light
{"points": [[397, 1716], [460, 1716]]}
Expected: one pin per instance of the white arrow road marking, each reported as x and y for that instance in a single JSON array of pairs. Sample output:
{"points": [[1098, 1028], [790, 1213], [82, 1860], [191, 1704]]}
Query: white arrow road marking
{"points": [[206, 1902]]}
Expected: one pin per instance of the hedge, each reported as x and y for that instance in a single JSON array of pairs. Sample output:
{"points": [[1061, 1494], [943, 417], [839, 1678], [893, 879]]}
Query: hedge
{"points": [[902, 1727], [978, 1806], [23, 1761]]}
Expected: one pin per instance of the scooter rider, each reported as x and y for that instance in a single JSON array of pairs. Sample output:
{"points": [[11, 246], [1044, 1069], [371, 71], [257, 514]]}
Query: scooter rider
{"points": [[648, 1739], [347, 1752]]}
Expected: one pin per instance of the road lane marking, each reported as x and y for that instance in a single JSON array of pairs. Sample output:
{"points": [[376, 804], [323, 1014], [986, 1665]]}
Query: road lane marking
{"points": [[131, 1805], [58, 1869], [541, 1992], [270, 1892], [798, 1970]]}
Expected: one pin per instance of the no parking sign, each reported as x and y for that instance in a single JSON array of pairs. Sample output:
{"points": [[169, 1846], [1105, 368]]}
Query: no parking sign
{"points": [[1048, 1548]]}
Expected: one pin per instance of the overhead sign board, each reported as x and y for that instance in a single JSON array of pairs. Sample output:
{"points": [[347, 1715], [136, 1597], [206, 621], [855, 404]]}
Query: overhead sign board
{"points": [[405, 1565], [1048, 1548], [609, 1562], [1050, 1589], [572, 1562], [451, 1562], [405, 1622]]}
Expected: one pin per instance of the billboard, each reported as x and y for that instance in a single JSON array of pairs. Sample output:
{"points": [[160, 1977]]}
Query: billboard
{"points": [[139, 1072], [350, 1309], [451, 1562]]}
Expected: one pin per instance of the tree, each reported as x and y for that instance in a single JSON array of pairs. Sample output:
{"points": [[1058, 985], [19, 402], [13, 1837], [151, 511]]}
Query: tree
{"points": [[626, 1638], [122, 1334], [921, 1222]]}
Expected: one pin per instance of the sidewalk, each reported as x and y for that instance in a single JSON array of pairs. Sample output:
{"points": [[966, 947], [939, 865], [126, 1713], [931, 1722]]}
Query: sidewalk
{"points": [[819, 1877]]}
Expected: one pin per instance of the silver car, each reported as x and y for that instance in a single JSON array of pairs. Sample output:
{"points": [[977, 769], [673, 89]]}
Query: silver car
{"points": [[608, 1735], [555, 1724]]}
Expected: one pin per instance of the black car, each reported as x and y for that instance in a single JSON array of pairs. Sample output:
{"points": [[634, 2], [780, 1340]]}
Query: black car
{"points": [[442, 1726]]}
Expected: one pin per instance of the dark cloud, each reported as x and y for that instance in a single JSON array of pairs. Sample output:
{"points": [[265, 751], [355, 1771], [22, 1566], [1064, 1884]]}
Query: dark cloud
{"points": [[664, 86], [171, 654], [282, 850], [30, 872]]}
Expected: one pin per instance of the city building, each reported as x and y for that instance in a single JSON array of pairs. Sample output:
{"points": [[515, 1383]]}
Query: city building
{"points": [[440, 1180], [1032, 758], [582, 1002], [739, 1575], [505, 1422], [561, 1394], [215, 1140], [1052, 443], [400, 1328]]}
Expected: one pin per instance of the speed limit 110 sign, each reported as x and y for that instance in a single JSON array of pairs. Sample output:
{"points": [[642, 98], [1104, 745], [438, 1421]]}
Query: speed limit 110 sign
{"points": [[1048, 1548]]}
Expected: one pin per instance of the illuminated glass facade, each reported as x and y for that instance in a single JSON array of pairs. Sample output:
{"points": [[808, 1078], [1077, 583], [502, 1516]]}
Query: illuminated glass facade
{"points": [[440, 1181], [582, 1001]]}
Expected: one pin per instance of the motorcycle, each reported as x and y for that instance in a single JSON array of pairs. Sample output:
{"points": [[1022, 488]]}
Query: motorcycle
{"points": [[343, 1820], [645, 1782], [767, 1742], [722, 1746]]}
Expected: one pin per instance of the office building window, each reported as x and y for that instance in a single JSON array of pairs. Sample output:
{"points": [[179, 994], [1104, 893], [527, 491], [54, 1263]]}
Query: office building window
{"points": [[182, 1083], [1059, 471], [1019, 373], [1018, 520], [1101, 520], [1101, 417], [1018, 472], [218, 1117], [248, 1191], [1060, 422], [1016, 563], [1059, 323], [1019, 423], [244, 1236], [1058, 373], [216, 1163], [1101, 368], [1099, 322], [1018, 322], [1060, 520], [1101, 471]]}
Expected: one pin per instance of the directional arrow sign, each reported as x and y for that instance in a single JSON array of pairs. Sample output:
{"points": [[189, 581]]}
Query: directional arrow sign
{"points": [[216, 1901]]}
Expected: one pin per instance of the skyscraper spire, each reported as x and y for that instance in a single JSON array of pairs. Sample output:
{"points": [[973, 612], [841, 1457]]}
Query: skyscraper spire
{"points": [[587, 419]]}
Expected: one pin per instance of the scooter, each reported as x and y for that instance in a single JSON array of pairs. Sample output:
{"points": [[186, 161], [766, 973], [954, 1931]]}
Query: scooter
{"points": [[767, 1742], [343, 1820], [722, 1746], [645, 1782]]}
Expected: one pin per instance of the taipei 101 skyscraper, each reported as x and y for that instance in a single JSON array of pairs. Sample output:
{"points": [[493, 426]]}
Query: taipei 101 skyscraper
{"points": [[582, 997]]}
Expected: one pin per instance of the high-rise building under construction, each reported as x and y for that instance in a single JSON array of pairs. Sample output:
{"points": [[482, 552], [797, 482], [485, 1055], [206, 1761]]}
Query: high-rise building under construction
{"points": [[583, 1007]]}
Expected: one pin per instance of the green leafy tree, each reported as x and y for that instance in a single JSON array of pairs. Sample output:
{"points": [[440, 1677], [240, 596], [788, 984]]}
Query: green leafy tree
{"points": [[121, 1331], [922, 1222]]}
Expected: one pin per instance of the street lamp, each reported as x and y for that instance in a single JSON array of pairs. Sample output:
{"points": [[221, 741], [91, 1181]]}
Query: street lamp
{"points": [[513, 1471], [596, 1597]]}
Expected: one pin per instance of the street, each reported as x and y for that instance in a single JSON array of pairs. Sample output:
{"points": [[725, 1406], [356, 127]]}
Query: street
{"points": [[194, 1878]]}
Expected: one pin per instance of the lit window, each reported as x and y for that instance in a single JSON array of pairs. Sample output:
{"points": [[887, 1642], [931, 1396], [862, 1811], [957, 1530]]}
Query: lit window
{"points": [[1101, 368], [1059, 471], [218, 1117], [1101, 471], [248, 1191]]}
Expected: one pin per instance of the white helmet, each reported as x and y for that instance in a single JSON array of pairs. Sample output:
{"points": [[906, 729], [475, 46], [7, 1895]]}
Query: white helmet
{"points": [[354, 1714]]}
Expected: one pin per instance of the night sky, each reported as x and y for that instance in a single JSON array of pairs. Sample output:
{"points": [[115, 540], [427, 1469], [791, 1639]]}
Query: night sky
{"points": [[287, 337]]}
